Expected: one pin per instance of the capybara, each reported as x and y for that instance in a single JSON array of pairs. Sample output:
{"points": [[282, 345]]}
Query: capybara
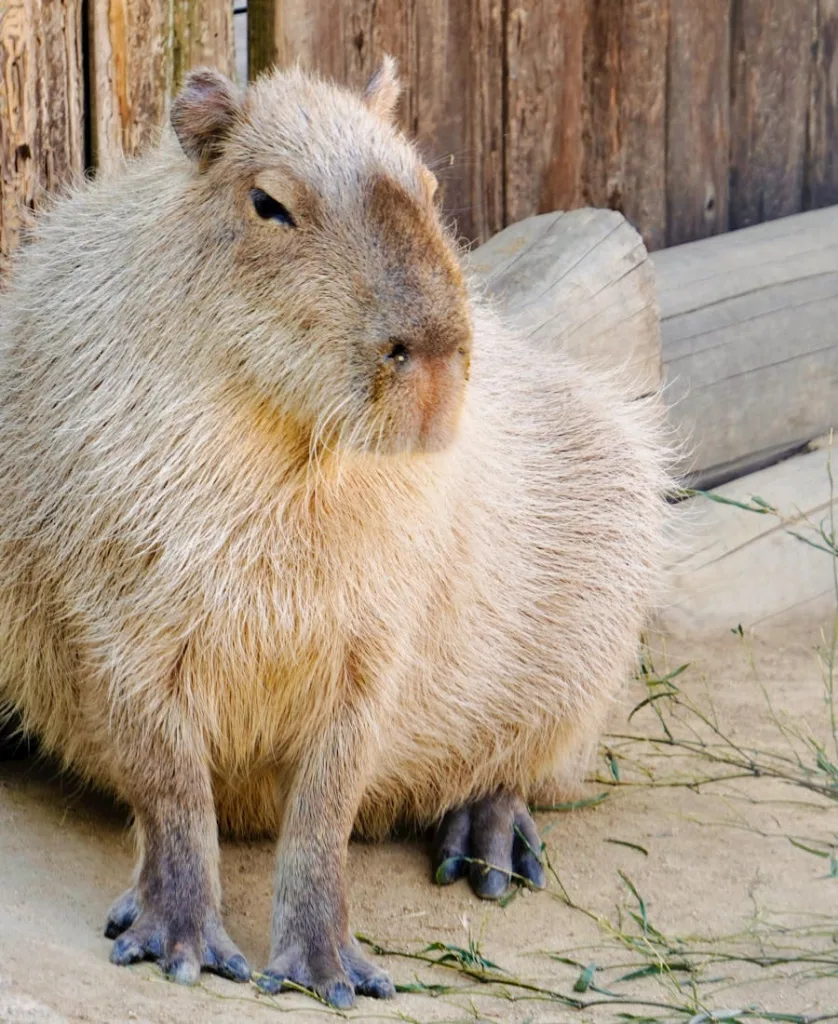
{"points": [[296, 536]]}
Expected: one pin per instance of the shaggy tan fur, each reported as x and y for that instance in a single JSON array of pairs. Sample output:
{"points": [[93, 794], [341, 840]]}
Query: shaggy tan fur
{"points": [[249, 559]]}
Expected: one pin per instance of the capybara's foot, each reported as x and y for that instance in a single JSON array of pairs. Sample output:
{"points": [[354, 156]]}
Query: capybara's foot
{"points": [[493, 840], [182, 952], [123, 913], [337, 980]]}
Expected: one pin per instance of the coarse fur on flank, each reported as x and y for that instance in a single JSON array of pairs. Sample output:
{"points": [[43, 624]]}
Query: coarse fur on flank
{"points": [[228, 523]]}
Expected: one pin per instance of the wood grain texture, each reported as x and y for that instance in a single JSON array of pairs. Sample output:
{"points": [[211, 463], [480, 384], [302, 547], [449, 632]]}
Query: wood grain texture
{"points": [[202, 33], [748, 333], [822, 156], [585, 102], [770, 90], [41, 107], [745, 569], [583, 282], [240, 44], [624, 113], [544, 100], [265, 36], [459, 108], [139, 52], [343, 41], [698, 119]]}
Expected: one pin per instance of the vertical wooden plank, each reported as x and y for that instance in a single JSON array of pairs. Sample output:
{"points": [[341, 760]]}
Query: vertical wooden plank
{"points": [[139, 51], [643, 116], [625, 112], [202, 33], [265, 36], [129, 59], [771, 75], [41, 107], [544, 101], [240, 43], [822, 156], [459, 107], [585, 101], [698, 120]]}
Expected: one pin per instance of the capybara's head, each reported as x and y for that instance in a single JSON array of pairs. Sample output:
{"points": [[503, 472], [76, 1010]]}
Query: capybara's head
{"points": [[364, 328]]}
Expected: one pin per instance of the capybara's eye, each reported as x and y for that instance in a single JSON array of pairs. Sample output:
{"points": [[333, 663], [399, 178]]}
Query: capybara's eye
{"points": [[269, 209]]}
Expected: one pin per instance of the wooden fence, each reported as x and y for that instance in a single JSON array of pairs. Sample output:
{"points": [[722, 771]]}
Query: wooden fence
{"points": [[690, 116], [83, 82]]}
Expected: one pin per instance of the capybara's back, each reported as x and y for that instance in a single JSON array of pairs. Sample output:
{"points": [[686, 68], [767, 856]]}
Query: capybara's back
{"points": [[293, 532]]}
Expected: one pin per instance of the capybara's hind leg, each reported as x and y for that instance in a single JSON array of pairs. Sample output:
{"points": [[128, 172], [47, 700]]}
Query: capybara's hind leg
{"points": [[492, 840], [172, 914]]}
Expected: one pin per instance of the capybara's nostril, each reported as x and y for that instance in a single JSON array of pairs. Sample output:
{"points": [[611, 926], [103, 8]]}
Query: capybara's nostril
{"points": [[399, 353]]}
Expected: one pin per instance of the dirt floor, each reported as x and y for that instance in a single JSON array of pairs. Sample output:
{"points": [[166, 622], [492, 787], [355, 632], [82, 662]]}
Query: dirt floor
{"points": [[737, 880]]}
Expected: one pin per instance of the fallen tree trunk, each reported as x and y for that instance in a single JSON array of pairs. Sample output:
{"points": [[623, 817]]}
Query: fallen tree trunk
{"points": [[748, 323], [581, 281], [749, 328]]}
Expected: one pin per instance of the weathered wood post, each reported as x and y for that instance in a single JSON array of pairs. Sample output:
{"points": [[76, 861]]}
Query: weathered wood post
{"points": [[139, 52], [41, 107]]}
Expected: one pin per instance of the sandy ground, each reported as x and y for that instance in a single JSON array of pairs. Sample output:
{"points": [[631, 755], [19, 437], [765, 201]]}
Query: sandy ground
{"points": [[708, 879]]}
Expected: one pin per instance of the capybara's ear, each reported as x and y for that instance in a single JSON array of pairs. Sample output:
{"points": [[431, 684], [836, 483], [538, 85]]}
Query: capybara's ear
{"points": [[383, 89], [203, 113]]}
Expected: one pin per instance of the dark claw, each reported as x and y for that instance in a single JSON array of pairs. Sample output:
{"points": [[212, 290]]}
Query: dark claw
{"points": [[526, 850], [338, 993], [452, 846], [146, 938], [182, 968], [367, 979], [450, 869], [236, 968], [488, 883], [270, 982], [377, 987], [527, 865], [122, 915], [330, 983], [127, 950]]}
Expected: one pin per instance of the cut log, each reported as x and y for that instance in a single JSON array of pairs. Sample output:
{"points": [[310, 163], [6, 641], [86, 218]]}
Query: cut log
{"points": [[582, 281], [41, 107], [748, 569], [750, 348]]}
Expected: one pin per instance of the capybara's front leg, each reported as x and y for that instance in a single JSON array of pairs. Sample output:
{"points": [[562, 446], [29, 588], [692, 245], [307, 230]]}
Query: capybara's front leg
{"points": [[173, 913], [311, 943]]}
